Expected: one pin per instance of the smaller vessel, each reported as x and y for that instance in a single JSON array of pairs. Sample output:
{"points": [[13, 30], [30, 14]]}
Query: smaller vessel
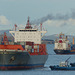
{"points": [[64, 66], [63, 46]]}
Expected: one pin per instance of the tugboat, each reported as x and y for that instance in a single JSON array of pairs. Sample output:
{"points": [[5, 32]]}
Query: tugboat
{"points": [[64, 66], [26, 52], [63, 46]]}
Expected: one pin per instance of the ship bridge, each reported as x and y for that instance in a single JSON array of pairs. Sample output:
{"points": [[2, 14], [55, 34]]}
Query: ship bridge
{"points": [[28, 34], [31, 30]]}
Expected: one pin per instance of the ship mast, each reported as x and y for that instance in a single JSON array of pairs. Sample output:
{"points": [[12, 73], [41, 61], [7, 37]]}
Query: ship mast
{"points": [[60, 35], [28, 25]]}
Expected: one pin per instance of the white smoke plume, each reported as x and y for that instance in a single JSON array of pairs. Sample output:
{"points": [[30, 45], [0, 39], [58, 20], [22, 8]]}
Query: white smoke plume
{"points": [[62, 19]]}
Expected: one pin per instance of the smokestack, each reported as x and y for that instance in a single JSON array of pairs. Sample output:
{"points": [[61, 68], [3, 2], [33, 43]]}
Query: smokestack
{"points": [[73, 41], [66, 38]]}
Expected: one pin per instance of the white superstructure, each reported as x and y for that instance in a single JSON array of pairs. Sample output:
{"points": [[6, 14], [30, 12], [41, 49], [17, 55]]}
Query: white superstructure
{"points": [[28, 34], [62, 43]]}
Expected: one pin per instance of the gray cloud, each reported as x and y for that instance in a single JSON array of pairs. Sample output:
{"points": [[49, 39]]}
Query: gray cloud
{"points": [[63, 24], [58, 16]]}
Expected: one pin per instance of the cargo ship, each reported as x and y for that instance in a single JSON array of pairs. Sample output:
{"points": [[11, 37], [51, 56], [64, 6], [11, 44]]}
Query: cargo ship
{"points": [[26, 52], [63, 46]]}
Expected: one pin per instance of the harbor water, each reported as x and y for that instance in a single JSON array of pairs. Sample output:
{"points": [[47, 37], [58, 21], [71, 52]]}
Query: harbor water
{"points": [[53, 59]]}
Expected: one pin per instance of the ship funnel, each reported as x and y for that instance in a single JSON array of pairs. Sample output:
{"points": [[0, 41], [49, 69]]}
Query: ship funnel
{"points": [[66, 38], [73, 41]]}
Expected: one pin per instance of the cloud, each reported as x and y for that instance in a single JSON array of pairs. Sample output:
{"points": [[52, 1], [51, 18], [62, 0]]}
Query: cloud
{"points": [[57, 26], [60, 23], [56, 23], [4, 20], [57, 17]]}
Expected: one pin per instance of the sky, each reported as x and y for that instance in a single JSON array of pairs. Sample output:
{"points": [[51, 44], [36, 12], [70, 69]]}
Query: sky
{"points": [[55, 15]]}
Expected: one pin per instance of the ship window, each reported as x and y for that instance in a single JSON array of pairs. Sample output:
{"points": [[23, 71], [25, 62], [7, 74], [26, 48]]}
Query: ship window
{"points": [[27, 30]]}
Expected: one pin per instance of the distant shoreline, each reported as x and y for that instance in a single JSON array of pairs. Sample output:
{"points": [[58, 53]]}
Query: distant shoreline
{"points": [[47, 41]]}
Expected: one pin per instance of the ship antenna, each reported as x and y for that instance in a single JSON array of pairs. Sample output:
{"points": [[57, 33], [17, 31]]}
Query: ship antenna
{"points": [[28, 25], [28, 21], [68, 59]]}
